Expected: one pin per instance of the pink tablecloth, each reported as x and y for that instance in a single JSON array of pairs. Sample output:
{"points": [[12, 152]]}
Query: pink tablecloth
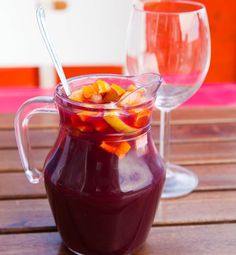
{"points": [[207, 95]]}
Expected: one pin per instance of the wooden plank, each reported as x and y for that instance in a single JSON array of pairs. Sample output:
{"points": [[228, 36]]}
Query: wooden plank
{"points": [[215, 177], [32, 244], [195, 240], [179, 134], [207, 153], [199, 115], [46, 121], [39, 138], [10, 159], [211, 177], [183, 154], [15, 185], [25, 215], [185, 115], [201, 133], [197, 208]]}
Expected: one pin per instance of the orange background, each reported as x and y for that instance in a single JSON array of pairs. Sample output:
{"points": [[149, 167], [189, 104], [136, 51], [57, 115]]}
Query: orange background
{"points": [[222, 15]]}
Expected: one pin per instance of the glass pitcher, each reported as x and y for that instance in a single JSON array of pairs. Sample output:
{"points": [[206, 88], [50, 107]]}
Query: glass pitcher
{"points": [[103, 175]]}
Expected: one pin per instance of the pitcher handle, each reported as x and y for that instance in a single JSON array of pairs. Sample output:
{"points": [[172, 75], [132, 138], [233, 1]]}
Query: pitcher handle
{"points": [[23, 115]]}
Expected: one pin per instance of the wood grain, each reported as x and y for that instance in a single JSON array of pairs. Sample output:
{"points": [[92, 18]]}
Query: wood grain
{"points": [[205, 240], [41, 120], [180, 116], [10, 159], [15, 185], [199, 115], [211, 177], [215, 176], [39, 138], [25, 215], [204, 139], [32, 244], [197, 208], [194, 240], [183, 154], [204, 133]]}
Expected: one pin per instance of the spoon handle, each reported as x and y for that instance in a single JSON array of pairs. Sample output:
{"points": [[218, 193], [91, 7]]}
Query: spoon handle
{"points": [[40, 14]]}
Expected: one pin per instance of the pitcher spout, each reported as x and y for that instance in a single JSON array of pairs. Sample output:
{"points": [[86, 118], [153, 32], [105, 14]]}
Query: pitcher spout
{"points": [[146, 84]]}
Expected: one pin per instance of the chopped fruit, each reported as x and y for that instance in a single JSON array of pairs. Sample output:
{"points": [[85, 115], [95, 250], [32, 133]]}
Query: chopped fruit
{"points": [[111, 96], [142, 118], [108, 147], [97, 99], [88, 91], [85, 128], [101, 86], [119, 149], [116, 123], [77, 95], [131, 88], [100, 126], [102, 92], [125, 95], [86, 116], [122, 150], [114, 93], [118, 89], [133, 99]]}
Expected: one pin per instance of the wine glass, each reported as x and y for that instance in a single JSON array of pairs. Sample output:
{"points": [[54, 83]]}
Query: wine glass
{"points": [[171, 38]]}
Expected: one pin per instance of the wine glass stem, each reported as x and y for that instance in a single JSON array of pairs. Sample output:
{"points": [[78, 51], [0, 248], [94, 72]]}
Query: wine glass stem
{"points": [[164, 139]]}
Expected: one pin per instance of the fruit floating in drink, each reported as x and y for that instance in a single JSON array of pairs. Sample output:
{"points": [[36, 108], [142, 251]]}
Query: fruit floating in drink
{"points": [[103, 176]]}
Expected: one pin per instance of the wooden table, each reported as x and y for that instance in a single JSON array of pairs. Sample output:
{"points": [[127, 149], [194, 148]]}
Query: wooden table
{"points": [[203, 223]]}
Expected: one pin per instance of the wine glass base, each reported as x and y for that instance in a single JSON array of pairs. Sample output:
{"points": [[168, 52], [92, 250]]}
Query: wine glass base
{"points": [[179, 182]]}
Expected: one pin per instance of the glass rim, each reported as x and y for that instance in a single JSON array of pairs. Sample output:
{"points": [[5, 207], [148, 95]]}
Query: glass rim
{"points": [[201, 6], [61, 98]]}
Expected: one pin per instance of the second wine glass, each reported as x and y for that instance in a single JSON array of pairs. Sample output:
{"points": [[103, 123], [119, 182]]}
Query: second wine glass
{"points": [[171, 38]]}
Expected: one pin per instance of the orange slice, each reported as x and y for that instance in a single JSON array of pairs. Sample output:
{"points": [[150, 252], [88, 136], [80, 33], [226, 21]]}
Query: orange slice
{"points": [[119, 149], [118, 89], [113, 94], [142, 118], [89, 91], [116, 123], [110, 96], [122, 150], [101, 86], [86, 116], [108, 147]]}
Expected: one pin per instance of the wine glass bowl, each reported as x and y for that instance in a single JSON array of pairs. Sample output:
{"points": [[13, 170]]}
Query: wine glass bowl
{"points": [[171, 38]]}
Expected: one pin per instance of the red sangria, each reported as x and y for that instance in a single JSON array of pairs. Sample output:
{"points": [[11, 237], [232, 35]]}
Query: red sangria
{"points": [[103, 176]]}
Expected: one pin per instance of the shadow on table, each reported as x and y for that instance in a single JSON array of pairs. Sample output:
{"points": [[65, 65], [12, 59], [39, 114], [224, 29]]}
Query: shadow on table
{"points": [[63, 250]]}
